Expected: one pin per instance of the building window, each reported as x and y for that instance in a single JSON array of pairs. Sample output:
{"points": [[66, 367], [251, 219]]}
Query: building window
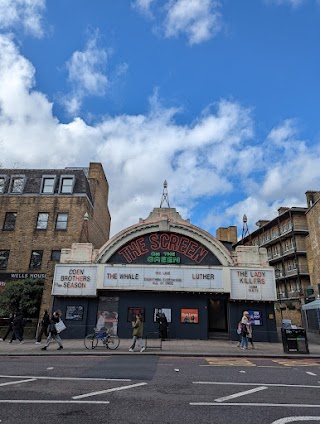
{"points": [[2, 184], [55, 255], [62, 221], [275, 251], [47, 186], [17, 184], [36, 259], [4, 257], [42, 221], [10, 221], [66, 185]]}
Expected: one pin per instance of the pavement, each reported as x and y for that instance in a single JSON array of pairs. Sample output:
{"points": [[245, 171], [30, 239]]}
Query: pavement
{"points": [[176, 347]]}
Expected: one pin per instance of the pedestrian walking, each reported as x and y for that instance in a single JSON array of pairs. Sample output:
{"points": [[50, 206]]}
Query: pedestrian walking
{"points": [[17, 328], [9, 328], [244, 330], [137, 333], [250, 339], [163, 325], [45, 322], [53, 334]]}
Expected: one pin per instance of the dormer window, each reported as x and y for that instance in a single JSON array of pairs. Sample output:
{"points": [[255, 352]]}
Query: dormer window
{"points": [[48, 183], [67, 184], [17, 184]]}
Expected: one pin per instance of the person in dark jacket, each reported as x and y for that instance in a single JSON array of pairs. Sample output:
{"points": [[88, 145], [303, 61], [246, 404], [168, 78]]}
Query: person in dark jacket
{"points": [[53, 334], [9, 328], [17, 327], [163, 326], [45, 322]]}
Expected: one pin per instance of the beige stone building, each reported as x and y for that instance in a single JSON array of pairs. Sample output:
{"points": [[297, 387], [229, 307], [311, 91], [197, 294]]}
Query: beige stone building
{"points": [[285, 238], [45, 210]]}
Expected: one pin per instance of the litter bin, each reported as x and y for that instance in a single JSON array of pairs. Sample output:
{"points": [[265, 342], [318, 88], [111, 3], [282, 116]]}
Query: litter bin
{"points": [[294, 340]]}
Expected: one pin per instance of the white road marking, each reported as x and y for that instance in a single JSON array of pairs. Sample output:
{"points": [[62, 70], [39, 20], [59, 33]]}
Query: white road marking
{"points": [[281, 405], [235, 395], [108, 391], [310, 373], [243, 372], [18, 382], [54, 401], [65, 378], [50, 368], [292, 419], [217, 383]]}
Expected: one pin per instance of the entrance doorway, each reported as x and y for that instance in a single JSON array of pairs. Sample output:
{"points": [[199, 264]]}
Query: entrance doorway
{"points": [[217, 319]]}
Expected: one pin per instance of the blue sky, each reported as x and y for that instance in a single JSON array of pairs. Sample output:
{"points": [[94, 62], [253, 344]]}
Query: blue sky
{"points": [[218, 97]]}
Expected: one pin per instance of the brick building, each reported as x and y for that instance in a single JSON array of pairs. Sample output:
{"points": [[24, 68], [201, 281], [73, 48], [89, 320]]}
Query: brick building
{"points": [[45, 210], [285, 238], [313, 243]]}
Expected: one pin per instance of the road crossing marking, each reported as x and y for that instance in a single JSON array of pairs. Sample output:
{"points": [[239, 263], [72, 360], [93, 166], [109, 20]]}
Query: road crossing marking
{"points": [[54, 401], [217, 383], [298, 363], [235, 395], [108, 391], [282, 405], [65, 378], [214, 362], [310, 373], [292, 419], [17, 382]]}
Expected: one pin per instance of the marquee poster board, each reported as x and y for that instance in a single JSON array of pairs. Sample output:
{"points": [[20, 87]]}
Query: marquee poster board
{"points": [[253, 284]]}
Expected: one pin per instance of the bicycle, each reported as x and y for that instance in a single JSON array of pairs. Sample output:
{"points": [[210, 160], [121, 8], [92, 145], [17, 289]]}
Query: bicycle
{"points": [[91, 341]]}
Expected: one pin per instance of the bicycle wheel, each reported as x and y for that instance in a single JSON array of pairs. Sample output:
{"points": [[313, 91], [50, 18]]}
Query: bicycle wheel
{"points": [[112, 342], [90, 341]]}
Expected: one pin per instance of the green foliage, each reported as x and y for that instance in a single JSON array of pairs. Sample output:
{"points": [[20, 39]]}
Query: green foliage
{"points": [[21, 296]]}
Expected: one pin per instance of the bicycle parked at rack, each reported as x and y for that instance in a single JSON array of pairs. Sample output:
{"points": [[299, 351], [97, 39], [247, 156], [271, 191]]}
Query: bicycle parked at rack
{"points": [[91, 341]]}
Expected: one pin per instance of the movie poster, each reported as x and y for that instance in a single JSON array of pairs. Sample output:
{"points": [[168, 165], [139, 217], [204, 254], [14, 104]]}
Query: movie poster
{"points": [[107, 318]]}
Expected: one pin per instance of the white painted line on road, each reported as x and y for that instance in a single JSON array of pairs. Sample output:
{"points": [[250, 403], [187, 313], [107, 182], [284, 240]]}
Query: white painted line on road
{"points": [[281, 405], [53, 401], [256, 384], [65, 378], [108, 391], [310, 373], [292, 419], [18, 382], [235, 395], [243, 372]]}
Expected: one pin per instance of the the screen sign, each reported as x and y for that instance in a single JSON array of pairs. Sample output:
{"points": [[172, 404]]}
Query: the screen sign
{"points": [[164, 248]]}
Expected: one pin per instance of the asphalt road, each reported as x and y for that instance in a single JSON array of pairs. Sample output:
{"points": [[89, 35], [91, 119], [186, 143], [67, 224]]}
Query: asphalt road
{"points": [[139, 388]]}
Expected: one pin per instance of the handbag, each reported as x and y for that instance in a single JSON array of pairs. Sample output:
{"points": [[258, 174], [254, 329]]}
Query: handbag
{"points": [[60, 326]]}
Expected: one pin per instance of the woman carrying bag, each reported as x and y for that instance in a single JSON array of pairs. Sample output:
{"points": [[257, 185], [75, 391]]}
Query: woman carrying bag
{"points": [[55, 322]]}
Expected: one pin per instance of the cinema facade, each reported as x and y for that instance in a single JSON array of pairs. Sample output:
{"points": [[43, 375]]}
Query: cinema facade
{"points": [[165, 263]]}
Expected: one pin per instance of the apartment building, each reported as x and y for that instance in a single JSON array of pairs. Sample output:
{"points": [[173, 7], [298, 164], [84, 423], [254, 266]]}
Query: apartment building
{"points": [[285, 238], [45, 210]]}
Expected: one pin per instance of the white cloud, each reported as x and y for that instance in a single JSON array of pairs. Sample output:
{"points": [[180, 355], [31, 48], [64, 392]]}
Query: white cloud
{"points": [[144, 6], [292, 3], [25, 13], [198, 19], [86, 73]]}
